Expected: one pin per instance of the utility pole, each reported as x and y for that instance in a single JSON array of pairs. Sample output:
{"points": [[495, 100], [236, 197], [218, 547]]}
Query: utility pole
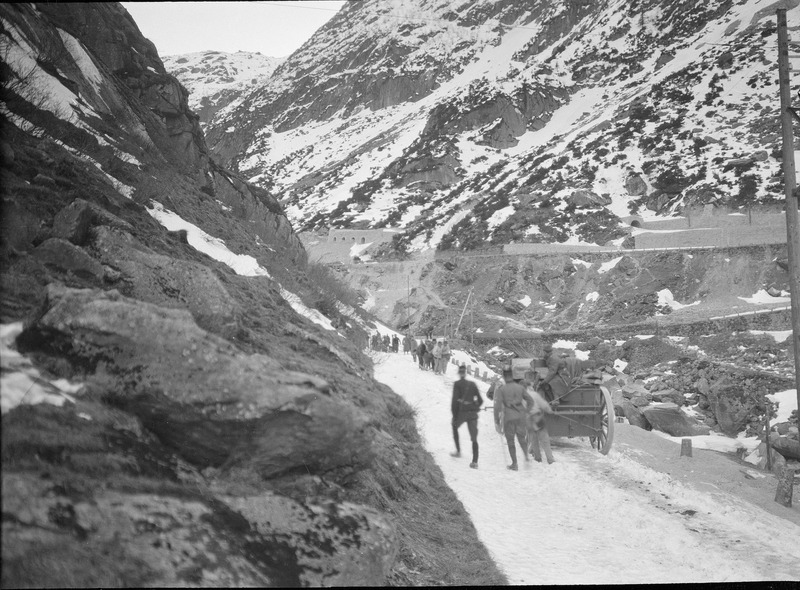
{"points": [[408, 302], [790, 181], [463, 311]]}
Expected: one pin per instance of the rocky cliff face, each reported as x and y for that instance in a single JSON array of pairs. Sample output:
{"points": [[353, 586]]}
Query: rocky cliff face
{"points": [[407, 113], [169, 418]]}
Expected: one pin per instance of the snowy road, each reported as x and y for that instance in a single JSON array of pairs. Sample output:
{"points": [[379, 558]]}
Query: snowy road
{"points": [[589, 518]]}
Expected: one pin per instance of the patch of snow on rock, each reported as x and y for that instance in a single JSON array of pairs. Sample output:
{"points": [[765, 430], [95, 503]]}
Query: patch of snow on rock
{"points": [[761, 297], [607, 266], [242, 264]]}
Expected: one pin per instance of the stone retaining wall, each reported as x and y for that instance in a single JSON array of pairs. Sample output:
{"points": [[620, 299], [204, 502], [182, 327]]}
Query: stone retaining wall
{"points": [[766, 320]]}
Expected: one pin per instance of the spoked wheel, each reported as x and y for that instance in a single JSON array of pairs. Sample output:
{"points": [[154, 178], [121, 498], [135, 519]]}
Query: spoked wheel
{"points": [[602, 442]]}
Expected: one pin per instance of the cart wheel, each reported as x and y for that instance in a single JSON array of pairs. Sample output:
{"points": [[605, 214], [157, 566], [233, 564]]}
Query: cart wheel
{"points": [[603, 441]]}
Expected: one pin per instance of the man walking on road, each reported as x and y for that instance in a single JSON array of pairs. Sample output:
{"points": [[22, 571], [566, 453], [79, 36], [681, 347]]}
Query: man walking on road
{"points": [[510, 404], [467, 401]]}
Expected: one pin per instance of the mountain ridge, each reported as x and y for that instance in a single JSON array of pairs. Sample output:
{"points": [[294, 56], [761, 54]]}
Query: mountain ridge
{"points": [[515, 107]]}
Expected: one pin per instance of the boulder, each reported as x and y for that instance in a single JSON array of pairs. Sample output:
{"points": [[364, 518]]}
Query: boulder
{"points": [[19, 227], [738, 163], [75, 220], [635, 185], [703, 386], [630, 390], [669, 395], [669, 418], [774, 292], [635, 416], [64, 257], [199, 394], [587, 198], [731, 405], [788, 447], [512, 306], [168, 281], [725, 60]]}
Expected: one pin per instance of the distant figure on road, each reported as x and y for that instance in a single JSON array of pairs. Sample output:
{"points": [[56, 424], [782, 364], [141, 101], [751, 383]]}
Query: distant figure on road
{"points": [[437, 357], [428, 362], [387, 343], [408, 344], [467, 401], [510, 412], [395, 343], [421, 350], [446, 353]]}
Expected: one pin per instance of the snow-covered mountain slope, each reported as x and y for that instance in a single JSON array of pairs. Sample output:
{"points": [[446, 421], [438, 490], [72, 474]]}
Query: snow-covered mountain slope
{"points": [[469, 124], [214, 78]]}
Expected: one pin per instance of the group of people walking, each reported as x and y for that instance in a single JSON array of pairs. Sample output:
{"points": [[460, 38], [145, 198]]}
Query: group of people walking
{"points": [[384, 343], [519, 413], [432, 355], [519, 408]]}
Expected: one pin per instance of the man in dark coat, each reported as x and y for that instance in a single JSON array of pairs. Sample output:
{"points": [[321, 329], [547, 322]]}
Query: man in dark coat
{"points": [[395, 343], [421, 354], [466, 403]]}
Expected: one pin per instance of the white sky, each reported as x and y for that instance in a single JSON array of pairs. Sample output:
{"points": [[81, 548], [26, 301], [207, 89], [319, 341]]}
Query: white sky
{"points": [[274, 29]]}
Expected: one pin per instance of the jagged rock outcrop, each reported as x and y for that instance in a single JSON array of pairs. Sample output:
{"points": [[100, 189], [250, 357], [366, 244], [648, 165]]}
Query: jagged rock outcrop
{"points": [[159, 151], [155, 278], [211, 404], [585, 198], [161, 409]]}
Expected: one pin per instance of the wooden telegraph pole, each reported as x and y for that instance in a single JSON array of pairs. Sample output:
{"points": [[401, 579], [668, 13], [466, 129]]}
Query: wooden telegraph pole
{"points": [[790, 181]]}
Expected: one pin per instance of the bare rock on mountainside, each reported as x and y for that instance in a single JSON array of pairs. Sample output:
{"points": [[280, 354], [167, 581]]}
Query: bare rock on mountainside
{"points": [[159, 538], [155, 278], [162, 407], [211, 404], [587, 198]]}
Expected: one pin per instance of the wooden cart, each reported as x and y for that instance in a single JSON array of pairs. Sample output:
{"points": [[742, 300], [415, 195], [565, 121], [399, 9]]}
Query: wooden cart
{"points": [[581, 408]]}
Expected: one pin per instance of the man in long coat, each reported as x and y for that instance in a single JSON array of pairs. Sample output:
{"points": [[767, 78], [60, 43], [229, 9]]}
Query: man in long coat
{"points": [[467, 401]]}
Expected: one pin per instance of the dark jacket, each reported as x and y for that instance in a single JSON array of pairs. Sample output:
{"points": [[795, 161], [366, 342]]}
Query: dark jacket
{"points": [[467, 400]]}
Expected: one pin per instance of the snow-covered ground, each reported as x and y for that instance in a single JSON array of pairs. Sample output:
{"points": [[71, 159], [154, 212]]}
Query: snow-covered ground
{"points": [[590, 518]]}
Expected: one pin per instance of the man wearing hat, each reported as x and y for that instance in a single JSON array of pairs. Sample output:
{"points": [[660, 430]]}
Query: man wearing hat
{"points": [[554, 365], [511, 402], [467, 401]]}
